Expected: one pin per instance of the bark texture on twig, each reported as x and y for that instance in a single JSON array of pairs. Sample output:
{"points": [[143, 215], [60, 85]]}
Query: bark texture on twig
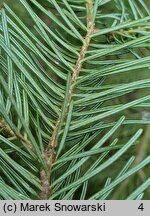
{"points": [[49, 153]]}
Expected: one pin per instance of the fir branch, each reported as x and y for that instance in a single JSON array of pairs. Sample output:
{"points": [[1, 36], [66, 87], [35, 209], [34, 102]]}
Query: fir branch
{"points": [[56, 104], [7, 131], [16, 135], [49, 153]]}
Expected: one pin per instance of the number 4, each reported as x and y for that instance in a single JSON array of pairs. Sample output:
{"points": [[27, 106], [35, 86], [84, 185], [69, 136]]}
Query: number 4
{"points": [[141, 207]]}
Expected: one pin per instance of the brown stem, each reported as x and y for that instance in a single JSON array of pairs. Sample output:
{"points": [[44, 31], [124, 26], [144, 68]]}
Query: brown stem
{"points": [[49, 154], [16, 135]]}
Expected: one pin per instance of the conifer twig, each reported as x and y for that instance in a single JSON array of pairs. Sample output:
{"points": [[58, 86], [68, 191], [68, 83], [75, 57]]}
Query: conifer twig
{"points": [[49, 154], [17, 135]]}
